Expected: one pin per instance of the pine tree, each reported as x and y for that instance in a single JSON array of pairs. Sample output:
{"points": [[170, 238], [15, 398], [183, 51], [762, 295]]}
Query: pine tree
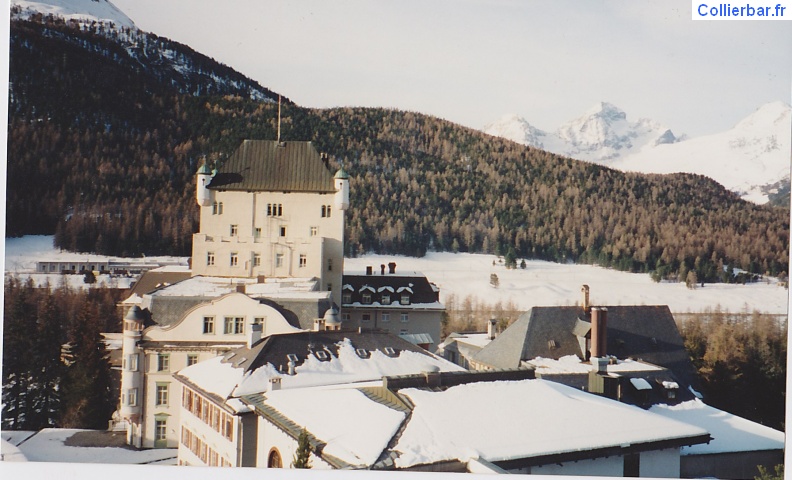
{"points": [[302, 457], [87, 397], [47, 368]]}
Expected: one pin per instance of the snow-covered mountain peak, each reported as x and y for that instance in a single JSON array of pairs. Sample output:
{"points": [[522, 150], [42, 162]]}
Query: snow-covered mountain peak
{"points": [[766, 116], [515, 128], [80, 10], [606, 111]]}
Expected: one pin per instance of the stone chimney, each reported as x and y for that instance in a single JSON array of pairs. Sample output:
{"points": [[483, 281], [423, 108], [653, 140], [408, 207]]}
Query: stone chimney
{"points": [[491, 328], [319, 325], [254, 336], [585, 290], [392, 268]]}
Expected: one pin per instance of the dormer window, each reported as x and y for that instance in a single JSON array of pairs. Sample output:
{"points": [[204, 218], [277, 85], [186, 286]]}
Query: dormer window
{"points": [[386, 299], [362, 352], [405, 299], [346, 298], [322, 356], [366, 299], [292, 358], [389, 351]]}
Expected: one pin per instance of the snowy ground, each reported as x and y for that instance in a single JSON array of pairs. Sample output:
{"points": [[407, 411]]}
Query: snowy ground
{"points": [[21, 255], [546, 283], [541, 283], [48, 446]]}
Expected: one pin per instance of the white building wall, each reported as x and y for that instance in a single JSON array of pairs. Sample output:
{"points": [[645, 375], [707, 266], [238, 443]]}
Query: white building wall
{"points": [[225, 448], [660, 463], [270, 436], [307, 232], [598, 467]]}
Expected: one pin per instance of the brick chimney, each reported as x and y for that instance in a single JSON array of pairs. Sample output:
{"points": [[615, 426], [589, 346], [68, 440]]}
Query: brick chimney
{"points": [[369, 270], [599, 332]]}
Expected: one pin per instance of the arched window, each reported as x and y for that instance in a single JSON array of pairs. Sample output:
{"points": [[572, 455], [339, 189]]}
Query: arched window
{"points": [[274, 459]]}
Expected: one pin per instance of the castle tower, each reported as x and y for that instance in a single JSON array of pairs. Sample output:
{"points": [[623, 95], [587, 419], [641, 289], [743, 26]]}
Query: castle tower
{"points": [[132, 374], [202, 194], [342, 190]]}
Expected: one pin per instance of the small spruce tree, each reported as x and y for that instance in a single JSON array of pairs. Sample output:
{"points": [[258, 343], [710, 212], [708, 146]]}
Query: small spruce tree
{"points": [[302, 457]]}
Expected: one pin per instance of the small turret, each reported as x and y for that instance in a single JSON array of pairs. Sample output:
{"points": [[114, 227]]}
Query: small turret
{"points": [[132, 372], [202, 194], [342, 190]]}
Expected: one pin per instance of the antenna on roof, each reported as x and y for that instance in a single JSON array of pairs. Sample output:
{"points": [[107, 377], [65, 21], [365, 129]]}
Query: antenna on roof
{"points": [[279, 116]]}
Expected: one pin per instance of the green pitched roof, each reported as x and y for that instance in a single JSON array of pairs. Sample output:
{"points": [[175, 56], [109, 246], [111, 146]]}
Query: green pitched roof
{"points": [[266, 165]]}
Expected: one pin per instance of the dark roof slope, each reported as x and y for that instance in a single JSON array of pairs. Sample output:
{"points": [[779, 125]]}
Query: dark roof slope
{"points": [[643, 332], [266, 165], [275, 348], [152, 280], [422, 290]]}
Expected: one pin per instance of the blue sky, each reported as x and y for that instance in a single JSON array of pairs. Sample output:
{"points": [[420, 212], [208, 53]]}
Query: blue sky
{"points": [[474, 61]]}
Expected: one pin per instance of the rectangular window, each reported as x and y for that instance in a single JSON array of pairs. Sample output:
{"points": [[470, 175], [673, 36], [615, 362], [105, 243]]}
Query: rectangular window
{"points": [[405, 317], [132, 362], [329, 264], [160, 429], [283, 231], [385, 317], [209, 258], [234, 325], [278, 260], [162, 394], [405, 300], [346, 298], [214, 208], [303, 260], [366, 298], [163, 362], [208, 325], [346, 317], [192, 359], [257, 232], [366, 317], [274, 209], [220, 208], [132, 397], [269, 209], [386, 299], [234, 259], [256, 260], [314, 231], [234, 230]]}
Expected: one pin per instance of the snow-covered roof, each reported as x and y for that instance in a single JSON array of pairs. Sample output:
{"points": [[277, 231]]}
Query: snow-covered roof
{"points": [[730, 433], [201, 286], [225, 380], [640, 384], [474, 339], [573, 364], [491, 420], [357, 433], [398, 306]]}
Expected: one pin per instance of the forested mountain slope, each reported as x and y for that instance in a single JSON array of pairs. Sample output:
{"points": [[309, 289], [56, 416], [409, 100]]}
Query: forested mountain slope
{"points": [[103, 154]]}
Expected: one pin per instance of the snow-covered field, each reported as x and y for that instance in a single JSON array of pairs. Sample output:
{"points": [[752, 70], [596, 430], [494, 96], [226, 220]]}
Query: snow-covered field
{"points": [[541, 283], [21, 255], [546, 283]]}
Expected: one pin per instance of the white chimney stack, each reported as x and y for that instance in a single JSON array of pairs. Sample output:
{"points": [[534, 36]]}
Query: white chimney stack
{"points": [[256, 330]]}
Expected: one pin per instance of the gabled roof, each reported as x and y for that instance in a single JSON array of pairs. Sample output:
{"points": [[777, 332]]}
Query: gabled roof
{"points": [[267, 165], [643, 332], [153, 279], [414, 283]]}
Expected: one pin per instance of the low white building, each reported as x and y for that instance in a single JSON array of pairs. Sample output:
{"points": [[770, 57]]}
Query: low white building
{"points": [[218, 429], [463, 422]]}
